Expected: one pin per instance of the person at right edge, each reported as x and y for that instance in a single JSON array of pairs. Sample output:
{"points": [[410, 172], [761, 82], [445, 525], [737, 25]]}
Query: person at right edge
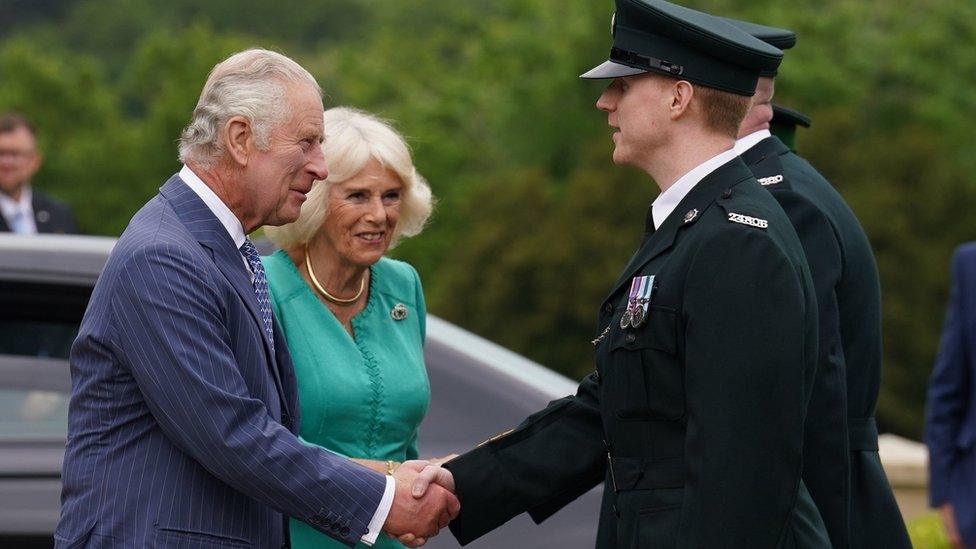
{"points": [[950, 417], [706, 345], [841, 466]]}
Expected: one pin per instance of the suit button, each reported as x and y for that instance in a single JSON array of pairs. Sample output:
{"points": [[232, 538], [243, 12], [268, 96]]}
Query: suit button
{"points": [[631, 337], [317, 519], [287, 422], [344, 531], [327, 522], [608, 308]]}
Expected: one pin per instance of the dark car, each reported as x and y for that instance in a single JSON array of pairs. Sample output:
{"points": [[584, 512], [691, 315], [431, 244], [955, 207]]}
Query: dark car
{"points": [[477, 389]]}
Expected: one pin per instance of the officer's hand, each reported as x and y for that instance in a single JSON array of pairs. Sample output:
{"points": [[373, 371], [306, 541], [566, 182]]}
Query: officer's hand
{"points": [[952, 531], [432, 474]]}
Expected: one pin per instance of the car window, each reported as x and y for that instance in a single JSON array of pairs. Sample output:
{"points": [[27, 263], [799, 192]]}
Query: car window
{"points": [[40, 319]]}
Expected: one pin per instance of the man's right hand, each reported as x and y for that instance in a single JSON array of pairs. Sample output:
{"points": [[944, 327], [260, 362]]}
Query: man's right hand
{"points": [[422, 517], [952, 531]]}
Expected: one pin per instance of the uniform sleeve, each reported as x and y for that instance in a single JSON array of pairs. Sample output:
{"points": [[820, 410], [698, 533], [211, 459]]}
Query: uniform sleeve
{"points": [[746, 351], [949, 388], [169, 330], [550, 459], [826, 453]]}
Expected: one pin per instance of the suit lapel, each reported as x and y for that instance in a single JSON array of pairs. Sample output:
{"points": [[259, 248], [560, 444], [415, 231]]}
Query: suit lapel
{"points": [[207, 229], [42, 213], [689, 210]]}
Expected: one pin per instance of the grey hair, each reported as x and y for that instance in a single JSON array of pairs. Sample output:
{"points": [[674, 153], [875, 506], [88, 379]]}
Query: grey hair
{"points": [[251, 83], [352, 139]]}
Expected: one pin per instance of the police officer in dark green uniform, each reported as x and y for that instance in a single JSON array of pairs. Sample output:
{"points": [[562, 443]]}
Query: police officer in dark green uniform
{"points": [[706, 344], [784, 124], [841, 465]]}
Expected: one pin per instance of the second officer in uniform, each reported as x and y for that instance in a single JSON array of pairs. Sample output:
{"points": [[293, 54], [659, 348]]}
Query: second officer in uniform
{"points": [[842, 468]]}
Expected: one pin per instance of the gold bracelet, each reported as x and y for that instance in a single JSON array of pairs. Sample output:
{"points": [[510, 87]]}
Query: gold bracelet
{"points": [[391, 466]]}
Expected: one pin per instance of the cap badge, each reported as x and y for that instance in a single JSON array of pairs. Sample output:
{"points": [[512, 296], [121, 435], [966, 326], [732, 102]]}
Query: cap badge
{"points": [[399, 311], [691, 215], [746, 220], [772, 180]]}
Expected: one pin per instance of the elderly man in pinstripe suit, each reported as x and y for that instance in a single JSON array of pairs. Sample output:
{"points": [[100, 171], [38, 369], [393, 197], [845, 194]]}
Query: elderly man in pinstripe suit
{"points": [[184, 406]]}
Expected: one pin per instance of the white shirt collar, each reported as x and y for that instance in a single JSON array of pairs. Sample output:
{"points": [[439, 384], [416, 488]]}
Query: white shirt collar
{"points": [[10, 207], [216, 205], [750, 141], [668, 200]]}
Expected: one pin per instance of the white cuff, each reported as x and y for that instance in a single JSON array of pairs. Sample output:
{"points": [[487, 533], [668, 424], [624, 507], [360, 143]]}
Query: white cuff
{"points": [[379, 518]]}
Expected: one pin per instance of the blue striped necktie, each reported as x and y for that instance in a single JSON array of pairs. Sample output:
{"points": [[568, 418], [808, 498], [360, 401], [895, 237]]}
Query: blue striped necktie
{"points": [[250, 253]]}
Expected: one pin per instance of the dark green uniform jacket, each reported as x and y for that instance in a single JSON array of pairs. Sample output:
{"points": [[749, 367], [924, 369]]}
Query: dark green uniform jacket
{"points": [[841, 464], [699, 412]]}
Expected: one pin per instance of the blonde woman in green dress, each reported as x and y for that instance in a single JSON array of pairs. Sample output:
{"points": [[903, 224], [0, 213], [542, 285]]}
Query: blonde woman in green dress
{"points": [[354, 320]]}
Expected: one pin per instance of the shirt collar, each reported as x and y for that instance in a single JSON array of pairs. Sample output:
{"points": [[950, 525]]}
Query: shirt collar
{"points": [[750, 141], [216, 205], [9, 206], [668, 200]]}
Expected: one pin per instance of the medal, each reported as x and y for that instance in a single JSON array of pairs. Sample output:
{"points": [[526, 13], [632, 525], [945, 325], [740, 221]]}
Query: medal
{"points": [[637, 319], [625, 319], [641, 288]]}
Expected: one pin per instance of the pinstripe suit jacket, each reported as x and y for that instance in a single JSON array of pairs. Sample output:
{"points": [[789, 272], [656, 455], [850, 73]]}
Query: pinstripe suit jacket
{"points": [[177, 427]]}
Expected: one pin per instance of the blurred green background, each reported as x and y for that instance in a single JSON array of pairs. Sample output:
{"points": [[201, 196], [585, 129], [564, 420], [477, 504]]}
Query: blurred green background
{"points": [[533, 222]]}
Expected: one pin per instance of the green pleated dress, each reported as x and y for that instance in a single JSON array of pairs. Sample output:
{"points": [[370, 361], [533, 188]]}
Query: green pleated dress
{"points": [[362, 397]]}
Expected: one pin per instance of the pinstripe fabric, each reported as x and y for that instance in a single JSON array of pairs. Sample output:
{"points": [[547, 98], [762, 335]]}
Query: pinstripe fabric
{"points": [[176, 433]]}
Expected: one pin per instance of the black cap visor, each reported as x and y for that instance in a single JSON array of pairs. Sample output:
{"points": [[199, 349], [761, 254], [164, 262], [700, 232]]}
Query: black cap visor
{"points": [[611, 69]]}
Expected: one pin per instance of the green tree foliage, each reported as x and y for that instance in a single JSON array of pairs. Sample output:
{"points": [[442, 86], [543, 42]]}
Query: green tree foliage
{"points": [[533, 221]]}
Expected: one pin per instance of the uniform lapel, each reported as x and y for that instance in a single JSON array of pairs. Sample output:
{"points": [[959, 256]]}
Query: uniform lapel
{"points": [[768, 147], [764, 161], [207, 229], [689, 210]]}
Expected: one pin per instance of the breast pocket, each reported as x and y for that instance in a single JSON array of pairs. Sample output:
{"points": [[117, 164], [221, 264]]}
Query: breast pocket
{"points": [[644, 362]]}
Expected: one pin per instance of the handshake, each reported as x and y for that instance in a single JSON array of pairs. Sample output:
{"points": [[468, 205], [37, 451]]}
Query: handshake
{"points": [[424, 501]]}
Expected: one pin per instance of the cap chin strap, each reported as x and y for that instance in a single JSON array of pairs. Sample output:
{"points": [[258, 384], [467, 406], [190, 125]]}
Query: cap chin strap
{"points": [[639, 61]]}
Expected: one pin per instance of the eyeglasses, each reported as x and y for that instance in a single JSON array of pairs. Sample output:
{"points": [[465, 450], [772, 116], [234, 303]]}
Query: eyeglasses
{"points": [[10, 154]]}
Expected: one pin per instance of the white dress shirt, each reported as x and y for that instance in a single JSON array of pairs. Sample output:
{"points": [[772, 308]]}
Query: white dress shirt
{"points": [[750, 141], [667, 201], [236, 231], [22, 208]]}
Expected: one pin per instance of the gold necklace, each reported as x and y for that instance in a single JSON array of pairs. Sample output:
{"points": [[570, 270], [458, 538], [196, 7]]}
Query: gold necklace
{"points": [[325, 294]]}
